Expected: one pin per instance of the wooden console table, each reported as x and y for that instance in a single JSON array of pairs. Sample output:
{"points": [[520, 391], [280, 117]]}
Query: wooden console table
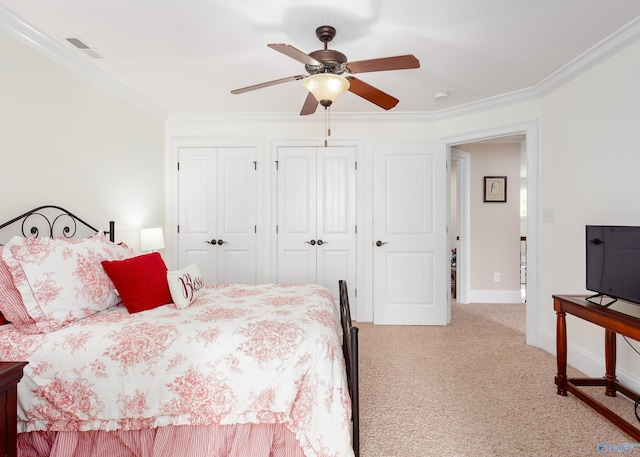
{"points": [[614, 321]]}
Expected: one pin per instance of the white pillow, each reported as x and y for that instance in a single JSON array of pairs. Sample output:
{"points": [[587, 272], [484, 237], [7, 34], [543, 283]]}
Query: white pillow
{"points": [[185, 285], [62, 281]]}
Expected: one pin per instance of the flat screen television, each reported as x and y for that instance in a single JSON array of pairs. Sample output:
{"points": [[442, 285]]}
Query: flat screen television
{"points": [[613, 262]]}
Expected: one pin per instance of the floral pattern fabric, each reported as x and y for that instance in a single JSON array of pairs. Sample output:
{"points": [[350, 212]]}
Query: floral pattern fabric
{"points": [[237, 354], [62, 281]]}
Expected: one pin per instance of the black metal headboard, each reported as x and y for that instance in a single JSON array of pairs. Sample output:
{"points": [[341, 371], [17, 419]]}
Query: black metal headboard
{"points": [[51, 221]]}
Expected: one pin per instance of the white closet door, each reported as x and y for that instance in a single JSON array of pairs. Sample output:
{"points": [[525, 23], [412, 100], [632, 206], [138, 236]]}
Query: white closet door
{"points": [[410, 244], [296, 216], [236, 214], [317, 216], [217, 213], [197, 219], [336, 217]]}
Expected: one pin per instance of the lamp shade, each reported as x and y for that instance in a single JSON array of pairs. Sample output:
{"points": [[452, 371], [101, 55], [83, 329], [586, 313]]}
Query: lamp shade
{"points": [[326, 87], [151, 239]]}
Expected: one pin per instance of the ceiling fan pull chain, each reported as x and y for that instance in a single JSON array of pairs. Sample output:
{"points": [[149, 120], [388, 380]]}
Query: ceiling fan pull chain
{"points": [[326, 130]]}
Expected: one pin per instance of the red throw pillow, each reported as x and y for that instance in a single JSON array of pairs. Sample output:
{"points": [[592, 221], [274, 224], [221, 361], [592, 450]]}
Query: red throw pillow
{"points": [[140, 281]]}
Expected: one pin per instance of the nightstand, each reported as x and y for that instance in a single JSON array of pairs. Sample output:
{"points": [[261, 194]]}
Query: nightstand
{"points": [[10, 375]]}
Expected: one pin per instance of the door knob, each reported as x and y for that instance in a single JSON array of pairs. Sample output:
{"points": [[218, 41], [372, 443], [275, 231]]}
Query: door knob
{"points": [[312, 242], [320, 242], [220, 242], [380, 243], [212, 242]]}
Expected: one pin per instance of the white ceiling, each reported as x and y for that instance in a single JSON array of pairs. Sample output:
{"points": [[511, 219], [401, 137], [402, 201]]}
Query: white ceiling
{"points": [[185, 56]]}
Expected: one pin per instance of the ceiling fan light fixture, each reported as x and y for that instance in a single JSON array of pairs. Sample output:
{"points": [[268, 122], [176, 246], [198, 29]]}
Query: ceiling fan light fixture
{"points": [[326, 87]]}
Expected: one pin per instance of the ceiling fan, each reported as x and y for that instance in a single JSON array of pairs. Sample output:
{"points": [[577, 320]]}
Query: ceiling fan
{"points": [[330, 62]]}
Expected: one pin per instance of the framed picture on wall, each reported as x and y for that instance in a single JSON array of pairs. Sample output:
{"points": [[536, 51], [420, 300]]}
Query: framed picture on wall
{"points": [[495, 188]]}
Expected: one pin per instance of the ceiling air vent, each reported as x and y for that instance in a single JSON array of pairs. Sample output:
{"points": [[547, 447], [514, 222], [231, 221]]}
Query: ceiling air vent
{"points": [[84, 48]]}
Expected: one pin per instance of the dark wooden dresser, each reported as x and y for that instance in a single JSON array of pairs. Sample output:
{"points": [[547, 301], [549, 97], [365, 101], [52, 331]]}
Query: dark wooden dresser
{"points": [[10, 375]]}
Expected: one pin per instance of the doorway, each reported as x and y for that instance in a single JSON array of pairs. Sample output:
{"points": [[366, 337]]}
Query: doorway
{"points": [[496, 262], [528, 131], [460, 229]]}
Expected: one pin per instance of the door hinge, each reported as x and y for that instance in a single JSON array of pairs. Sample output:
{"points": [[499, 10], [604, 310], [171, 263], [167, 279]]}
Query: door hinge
{"points": [[255, 165], [255, 229], [356, 162], [178, 228], [356, 229], [276, 228], [355, 293], [178, 166], [276, 165]]}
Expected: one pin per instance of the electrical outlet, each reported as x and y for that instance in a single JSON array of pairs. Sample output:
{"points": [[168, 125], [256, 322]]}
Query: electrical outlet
{"points": [[496, 277]]}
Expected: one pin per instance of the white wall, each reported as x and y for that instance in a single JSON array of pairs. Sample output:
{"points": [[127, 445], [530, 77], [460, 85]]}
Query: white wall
{"points": [[66, 142], [589, 175]]}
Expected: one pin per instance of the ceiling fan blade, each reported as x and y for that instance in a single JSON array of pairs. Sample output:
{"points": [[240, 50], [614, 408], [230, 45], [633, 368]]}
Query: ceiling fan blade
{"points": [[383, 64], [310, 105], [372, 94], [267, 84], [295, 53]]}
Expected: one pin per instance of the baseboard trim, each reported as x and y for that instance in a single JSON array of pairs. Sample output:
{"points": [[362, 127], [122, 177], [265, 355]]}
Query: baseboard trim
{"points": [[495, 296], [588, 363]]}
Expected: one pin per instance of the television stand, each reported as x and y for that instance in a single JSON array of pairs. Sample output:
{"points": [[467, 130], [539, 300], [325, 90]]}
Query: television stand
{"points": [[591, 299], [613, 322]]}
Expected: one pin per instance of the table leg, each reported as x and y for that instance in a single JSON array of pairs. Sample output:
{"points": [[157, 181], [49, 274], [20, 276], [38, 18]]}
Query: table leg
{"points": [[610, 361], [561, 350]]}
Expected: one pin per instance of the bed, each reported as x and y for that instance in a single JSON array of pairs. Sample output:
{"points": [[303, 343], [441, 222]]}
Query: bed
{"points": [[167, 366]]}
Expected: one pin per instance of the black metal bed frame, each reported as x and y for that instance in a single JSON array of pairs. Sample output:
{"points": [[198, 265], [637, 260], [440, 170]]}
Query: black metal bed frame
{"points": [[350, 351], [51, 221]]}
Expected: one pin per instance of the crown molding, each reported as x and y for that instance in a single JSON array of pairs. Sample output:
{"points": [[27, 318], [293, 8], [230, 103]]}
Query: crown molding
{"points": [[612, 44], [16, 27], [601, 51], [620, 39]]}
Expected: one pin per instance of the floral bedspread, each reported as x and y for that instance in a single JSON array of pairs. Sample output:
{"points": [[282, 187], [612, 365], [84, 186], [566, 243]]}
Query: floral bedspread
{"points": [[238, 354]]}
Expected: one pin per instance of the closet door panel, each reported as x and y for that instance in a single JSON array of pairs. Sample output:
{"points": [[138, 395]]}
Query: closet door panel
{"points": [[336, 220], [217, 212], [296, 216], [317, 216], [197, 220], [236, 210]]}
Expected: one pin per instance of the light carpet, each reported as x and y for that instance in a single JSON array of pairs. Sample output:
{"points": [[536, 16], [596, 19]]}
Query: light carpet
{"points": [[472, 388]]}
